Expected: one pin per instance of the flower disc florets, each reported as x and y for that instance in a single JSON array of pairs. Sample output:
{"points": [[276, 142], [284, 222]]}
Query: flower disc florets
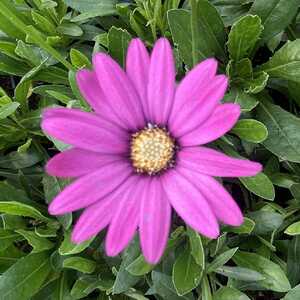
{"points": [[152, 150]]}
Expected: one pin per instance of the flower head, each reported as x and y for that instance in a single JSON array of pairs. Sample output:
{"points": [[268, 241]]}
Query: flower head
{"points": [[139, 153]]}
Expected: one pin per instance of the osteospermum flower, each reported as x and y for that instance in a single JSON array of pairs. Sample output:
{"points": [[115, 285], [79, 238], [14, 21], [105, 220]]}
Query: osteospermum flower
{"points": [[137, 155]]}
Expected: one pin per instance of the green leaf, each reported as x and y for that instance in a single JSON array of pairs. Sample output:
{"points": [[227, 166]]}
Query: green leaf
{"points": [[208, 32], [21, 209], [276, 279], [179, 23], [229, 293], [247, 102], [276, 15], [118, 40], [205, 289], [293, 229], [79, 60], [62, 287], [293, 267], [68, 248], [293, 294], [221, 260], [38, 243], [70, 29], [246, 228], [25, 277], [197, 250], [8, 109], [163, 286], [186, 273], [283, 127], [80, 264], [139, 267], [250, 130], [239, 273], [285, 63], [7, 237], [243, 37], [43, 23], [259, 185], [265, 221], [92, 8], [8, 257]]}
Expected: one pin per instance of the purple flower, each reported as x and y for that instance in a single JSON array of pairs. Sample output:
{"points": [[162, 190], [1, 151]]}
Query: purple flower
{"points": [[138, 155]]}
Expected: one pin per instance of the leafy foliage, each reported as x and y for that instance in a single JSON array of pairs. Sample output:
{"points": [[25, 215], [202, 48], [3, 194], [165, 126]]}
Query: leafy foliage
{"points": [[257, 42]]}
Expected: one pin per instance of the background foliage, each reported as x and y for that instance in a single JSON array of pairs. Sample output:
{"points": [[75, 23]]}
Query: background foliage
{"points": [[44, 42]]}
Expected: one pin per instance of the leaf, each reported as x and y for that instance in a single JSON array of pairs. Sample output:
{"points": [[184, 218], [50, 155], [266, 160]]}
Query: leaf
{"points": [[208, 31], [62, 287], [295, 190], [293, 294], [293, 267], [247, 102], [265, 221], [38, 244], [276, 279], [163, 286], [21, 209], [229, 293], [250, 130], [68, 248], [285, 63], [118, 40], [247, 227], [92, 8], [25, 277], [125, 280], [80, 264], [179, 23], [293, 229], [8, 257], [139, 267], [7, 237], [221, 260], [197, 250], [243, 37], [205, 289], [70, 29], [79, 60], [186, 273], [283, 127], [259, 185], [276, 15], [8, 109], [239, 273]]}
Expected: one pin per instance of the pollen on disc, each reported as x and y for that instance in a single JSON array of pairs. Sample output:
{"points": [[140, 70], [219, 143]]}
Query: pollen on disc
{"points": [[152, 150]]}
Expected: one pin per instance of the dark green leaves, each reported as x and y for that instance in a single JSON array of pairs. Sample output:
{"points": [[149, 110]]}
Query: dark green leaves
{"points": [[285, 63], [275, 279], [24, 278], [283, 127], [276, 15]]}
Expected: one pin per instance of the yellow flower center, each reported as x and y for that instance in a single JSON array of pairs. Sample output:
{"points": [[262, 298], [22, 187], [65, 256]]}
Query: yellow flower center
{"points": [[152, 150]]}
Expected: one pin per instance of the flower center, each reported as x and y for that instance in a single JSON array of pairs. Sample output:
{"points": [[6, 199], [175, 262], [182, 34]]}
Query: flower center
{"points": [[152, 150]]}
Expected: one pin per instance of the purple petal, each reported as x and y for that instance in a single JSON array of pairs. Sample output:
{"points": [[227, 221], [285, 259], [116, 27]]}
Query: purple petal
{"points": [[155, 219], [91, 91], [98, 215], [161, 86], [119, 91], [192, 84], [137, 69], [193, 113], [190, 205], [220, 201], [77, 162], [94, 218], [90, 188], [84, 130], [211, 162], [221, 121], [125, 220]]}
